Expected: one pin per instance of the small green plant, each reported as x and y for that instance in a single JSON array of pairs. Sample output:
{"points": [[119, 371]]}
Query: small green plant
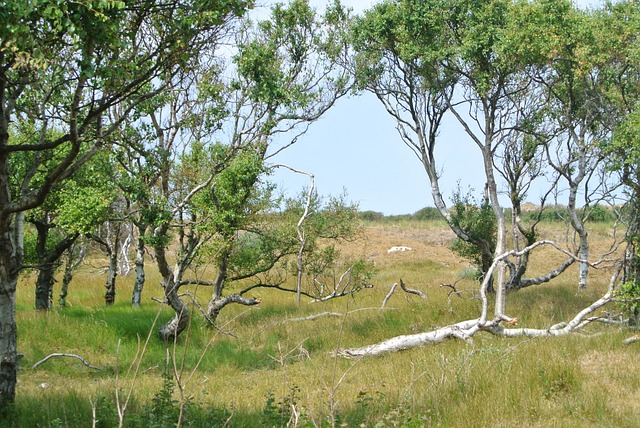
{"points": [[556, 383], [361, 414], [628, 297], [56, 423], [402, 416], [279, 414], [471, 273], [478, 221], [164, 410]]}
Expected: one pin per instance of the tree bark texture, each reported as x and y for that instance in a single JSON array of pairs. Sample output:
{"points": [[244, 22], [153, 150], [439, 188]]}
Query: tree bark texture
{"points": [[11, 251], [578, 226], [136, 297], [44, 287], [48, 260], [110, 293], [170, 284], [66, 280], [216, 304], [461, 330], [171, 330]]}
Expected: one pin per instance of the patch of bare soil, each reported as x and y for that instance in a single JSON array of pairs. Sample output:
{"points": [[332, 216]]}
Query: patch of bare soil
{"points": [[426, 243]]}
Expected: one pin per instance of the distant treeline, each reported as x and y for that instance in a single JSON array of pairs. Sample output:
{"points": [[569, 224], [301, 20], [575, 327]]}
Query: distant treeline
{"points": [[554, 213]]}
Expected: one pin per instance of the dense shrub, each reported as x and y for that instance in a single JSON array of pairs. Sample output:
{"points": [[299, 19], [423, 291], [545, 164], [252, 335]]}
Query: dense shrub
{"points": [[427, 213], [371, 216]]}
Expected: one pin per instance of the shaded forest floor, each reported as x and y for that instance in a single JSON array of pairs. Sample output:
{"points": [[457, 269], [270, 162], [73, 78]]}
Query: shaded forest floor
{"points": [[267, 367]]}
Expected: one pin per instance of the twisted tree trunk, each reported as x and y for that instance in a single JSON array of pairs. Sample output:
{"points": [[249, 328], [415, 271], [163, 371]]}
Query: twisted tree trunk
{"points": [[172, 329], [170, 283]]}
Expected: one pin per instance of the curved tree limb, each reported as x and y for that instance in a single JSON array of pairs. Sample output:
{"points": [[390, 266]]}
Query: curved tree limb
{"points": [[57, 354], [405, 289], [412, 291]]}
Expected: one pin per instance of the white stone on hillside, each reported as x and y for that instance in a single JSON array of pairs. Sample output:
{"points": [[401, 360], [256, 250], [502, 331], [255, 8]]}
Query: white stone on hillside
{"points": [[399, 248]]}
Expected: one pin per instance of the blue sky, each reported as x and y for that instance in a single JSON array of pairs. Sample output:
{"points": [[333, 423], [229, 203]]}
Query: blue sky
{"points": [[355, 146]]}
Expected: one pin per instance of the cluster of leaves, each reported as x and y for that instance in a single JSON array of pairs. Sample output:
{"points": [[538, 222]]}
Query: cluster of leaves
{"points": [[627, 296], [478, 220], [164, 409], [279, 413]]}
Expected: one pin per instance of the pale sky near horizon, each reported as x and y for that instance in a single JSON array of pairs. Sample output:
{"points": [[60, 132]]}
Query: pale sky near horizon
{"points": [[356, 147]]}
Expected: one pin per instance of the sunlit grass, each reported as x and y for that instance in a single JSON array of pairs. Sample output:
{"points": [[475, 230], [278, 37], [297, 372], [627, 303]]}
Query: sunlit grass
{"points": [[267, 351]]}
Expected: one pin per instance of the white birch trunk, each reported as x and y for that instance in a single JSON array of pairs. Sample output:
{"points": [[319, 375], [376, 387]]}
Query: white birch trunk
{"points": [[136, 297]]}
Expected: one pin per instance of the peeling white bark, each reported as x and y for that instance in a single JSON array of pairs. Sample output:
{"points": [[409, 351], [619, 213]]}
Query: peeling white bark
{"points": [[462, 330]]}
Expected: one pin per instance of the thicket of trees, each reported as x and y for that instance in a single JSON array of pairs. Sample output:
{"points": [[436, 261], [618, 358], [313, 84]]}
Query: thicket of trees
{"points": [[147, 125], [142, 126], [541, 88]]}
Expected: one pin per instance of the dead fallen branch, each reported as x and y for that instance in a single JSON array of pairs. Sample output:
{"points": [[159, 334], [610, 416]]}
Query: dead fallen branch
{"points": [[462, 330], [48, 357], [466, 329], [405, 289], [411, 290], [326, 314], [454, 290], [316, 316], [388, 296]]}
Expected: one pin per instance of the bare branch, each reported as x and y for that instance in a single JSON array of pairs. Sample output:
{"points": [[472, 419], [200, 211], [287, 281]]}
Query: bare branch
{"points": [[412, 291], [388, 296], [48, 357]]}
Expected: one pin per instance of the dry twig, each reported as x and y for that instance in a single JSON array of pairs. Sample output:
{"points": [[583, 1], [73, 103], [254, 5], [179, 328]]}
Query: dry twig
{"points": [[57, 354]]}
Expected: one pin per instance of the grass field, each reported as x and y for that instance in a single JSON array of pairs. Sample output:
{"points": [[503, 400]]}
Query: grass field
{"points": [[265, 361]]}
